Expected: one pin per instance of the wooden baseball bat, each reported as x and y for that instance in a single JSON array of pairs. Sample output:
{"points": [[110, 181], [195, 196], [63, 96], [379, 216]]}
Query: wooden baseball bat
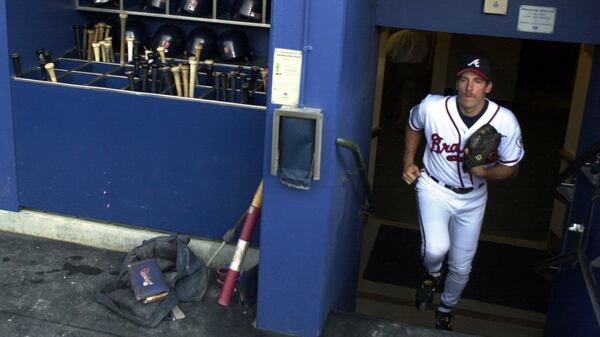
{"points": [[100, 36], [197, 51], [176, 73], [185, 76], [50, 68], [96, 30], [123, 18], [193, 71], [90, 43], [103, 50], [130, 41], [107, 32], [242, 247], [110, 55], [264, 73], [161, 52], [96, 46]]}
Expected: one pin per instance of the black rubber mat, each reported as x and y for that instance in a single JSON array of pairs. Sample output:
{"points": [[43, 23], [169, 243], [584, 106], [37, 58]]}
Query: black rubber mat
{"points": [[501, 274]]}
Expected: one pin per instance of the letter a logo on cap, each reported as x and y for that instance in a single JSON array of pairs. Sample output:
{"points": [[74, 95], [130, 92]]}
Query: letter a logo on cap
{"points": [[475, 63]]}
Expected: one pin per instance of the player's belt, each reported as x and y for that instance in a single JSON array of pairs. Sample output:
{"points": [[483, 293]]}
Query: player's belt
{"points": [[459, 190]]}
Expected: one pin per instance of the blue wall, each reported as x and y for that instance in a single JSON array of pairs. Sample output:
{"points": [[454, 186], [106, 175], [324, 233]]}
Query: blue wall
{"points": [[164, 163], [310, 240], [8, 179], [576, 21]]}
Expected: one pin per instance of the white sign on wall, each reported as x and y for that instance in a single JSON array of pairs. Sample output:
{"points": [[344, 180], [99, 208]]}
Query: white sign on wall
{"points": [[536, 19], [287, 72]]}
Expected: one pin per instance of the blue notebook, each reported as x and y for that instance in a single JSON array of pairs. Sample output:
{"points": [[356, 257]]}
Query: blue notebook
{"points": [[147, 282]]}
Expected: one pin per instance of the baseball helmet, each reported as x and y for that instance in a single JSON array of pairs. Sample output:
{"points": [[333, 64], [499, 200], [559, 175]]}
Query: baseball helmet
{"points": [[98, 3], [157, 4], [170, 37], [207, 38], [233, 44], [137, 30], [249, 9], [196, 7]]}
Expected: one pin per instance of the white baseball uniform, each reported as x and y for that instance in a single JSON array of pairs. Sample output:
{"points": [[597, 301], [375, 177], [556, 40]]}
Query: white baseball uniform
{"points": [[452, 202]]}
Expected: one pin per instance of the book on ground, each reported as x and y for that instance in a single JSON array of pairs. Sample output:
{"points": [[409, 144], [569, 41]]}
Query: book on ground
{"points": [[147, 282]]}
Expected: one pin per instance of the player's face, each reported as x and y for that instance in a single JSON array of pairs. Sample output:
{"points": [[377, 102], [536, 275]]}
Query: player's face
{"points": [[472, 90]]}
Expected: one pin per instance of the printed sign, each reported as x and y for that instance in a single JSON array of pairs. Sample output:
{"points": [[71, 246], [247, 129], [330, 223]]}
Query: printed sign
{"points": [[536, 19], [287, 72]]}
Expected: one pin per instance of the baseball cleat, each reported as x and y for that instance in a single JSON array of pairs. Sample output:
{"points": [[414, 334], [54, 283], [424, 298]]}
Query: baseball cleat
{"points": [[424, 295], [443, 320]]}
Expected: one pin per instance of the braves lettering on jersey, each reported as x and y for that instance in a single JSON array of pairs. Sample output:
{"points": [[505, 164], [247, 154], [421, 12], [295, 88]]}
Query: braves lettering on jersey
{"points": [[446, 136]]}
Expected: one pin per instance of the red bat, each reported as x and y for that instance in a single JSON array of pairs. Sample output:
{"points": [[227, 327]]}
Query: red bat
{"points": [[242, 247]]}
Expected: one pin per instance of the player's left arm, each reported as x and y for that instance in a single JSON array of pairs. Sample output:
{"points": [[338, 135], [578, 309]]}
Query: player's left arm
{"points": [[510, 151]]}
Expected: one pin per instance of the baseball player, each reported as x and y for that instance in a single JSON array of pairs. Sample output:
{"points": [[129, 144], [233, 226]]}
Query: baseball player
{"points": [[451, 200]]}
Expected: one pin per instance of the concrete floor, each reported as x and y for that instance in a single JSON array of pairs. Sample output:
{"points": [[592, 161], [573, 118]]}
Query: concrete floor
{"points": [[48, 289]]}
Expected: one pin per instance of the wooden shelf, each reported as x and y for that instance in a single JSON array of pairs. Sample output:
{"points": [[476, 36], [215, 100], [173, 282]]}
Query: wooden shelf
{"points": [[214, 18]]}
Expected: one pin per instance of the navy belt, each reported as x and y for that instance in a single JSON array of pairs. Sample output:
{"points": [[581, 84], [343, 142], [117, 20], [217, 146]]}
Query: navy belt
{"points": [[459, 190]]}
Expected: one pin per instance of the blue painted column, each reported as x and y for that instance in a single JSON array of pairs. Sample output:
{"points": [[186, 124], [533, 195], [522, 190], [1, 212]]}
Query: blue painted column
{"points": [[570, 312], [310, 240], [8, 179]]}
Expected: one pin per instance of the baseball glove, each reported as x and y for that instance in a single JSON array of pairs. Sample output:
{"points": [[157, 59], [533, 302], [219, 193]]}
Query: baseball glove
{"points": [[481, 147]]}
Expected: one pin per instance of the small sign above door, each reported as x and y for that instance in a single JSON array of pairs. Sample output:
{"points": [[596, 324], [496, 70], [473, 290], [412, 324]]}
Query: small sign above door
{"points": [[536, 19]]}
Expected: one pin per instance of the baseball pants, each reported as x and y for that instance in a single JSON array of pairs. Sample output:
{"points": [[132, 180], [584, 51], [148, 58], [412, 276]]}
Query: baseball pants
{"points": [[450, 224]]}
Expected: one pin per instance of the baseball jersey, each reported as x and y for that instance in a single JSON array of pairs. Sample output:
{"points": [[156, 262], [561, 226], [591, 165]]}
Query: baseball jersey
{"points": [[446, 134]]}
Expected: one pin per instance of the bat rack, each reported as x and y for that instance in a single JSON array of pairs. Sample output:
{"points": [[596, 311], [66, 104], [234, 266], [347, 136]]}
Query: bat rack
{"points": [[589, 165], [74, 72]]}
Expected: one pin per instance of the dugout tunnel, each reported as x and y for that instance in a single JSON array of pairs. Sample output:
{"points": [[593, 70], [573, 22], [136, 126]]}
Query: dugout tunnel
{"points": [[191, 166]]}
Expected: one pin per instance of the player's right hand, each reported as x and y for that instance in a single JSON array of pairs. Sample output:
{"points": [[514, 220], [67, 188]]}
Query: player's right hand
{"points": [[411, 173]]}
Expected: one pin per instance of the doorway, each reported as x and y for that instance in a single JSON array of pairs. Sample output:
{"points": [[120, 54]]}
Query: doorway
{"points": [[535, 80]]}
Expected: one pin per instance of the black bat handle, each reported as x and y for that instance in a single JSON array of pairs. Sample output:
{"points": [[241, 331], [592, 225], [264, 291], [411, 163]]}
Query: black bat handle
{"points": [[77, 30], [209, 75], [233, 84], [130, 77], [166, 75], [16, 58], [217, 87], [144, 69], [224, 78], [154, 78], [254, 70], [245, 93]]}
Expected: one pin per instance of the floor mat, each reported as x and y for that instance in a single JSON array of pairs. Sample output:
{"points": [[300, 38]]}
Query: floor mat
{"points": [[501, 274]]}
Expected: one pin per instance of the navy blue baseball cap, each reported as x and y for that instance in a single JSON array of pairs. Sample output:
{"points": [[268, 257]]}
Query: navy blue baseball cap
{"points": [[477, 64]]}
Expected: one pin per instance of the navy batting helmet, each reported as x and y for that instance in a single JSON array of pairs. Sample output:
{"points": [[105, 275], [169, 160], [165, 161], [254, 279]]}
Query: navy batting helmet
{"points": [[98, 3], [157, 4], [249, 9], [207, 38], [137, 30], [170, 37], [233, 44], [196, 7]]}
